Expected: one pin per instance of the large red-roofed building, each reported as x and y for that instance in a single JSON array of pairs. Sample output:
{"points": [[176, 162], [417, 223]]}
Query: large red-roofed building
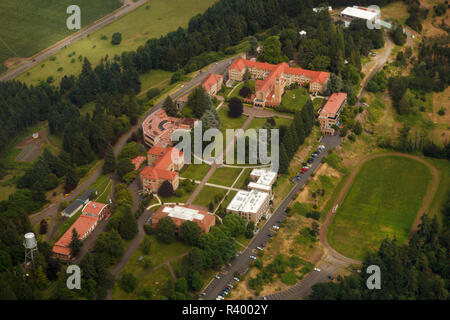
{"points": [[159, 127], [92, 213], [272, 79], [330, 113], [182, 213], [163, 164], [212, 84]]}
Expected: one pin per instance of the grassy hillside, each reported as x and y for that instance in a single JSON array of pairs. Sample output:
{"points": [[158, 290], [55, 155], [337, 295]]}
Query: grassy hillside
{"points": [[32, 25], [154, 19]]}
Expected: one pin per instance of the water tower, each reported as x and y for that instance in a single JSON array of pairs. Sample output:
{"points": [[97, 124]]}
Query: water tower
{"points": [[30, 245]]}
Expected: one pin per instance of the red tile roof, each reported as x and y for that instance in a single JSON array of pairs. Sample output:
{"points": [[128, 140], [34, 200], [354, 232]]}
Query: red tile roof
{"points": [[211, 80], [159, 171], [94, 208], [138, 162], [82, 225], [334, 103], [205, 224]]}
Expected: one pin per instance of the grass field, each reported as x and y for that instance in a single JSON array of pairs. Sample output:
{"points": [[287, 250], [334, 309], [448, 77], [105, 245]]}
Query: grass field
{"points": [[151, 20], [33, 25], [383, 201], [225, 176], [195, 171], [295, 99], [228, 122], [209, 195]]}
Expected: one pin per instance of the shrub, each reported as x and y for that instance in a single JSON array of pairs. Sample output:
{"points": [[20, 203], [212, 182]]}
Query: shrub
{"points": [[116, 38]]}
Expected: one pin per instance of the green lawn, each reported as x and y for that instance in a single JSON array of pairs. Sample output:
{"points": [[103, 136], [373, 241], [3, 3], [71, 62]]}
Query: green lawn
{"points": [[32, 25], [240, 184], [151, 20], [383, 201], [228, 122], [195, 171], [209, 194], [159, 253], [295, 99], [225, 176]]}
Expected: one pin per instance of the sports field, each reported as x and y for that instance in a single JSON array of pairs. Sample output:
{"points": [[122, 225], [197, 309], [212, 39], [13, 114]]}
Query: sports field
{"points": [[33, 25], [383, 201], [153, 19]]}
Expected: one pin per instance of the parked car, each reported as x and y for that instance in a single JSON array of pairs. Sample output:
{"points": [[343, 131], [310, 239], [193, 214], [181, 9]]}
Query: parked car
{"points": [[317, 269], [219, 297], [270, 235], [305, 168], [310, 160], [253, 257], [236, 278], [330, 277], [259, 248], [276, 227], [321, 147], [203, 294], [298, 177], [217, 276]]}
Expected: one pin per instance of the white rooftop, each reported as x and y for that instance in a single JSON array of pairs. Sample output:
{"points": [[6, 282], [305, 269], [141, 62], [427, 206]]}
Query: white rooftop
{"points": [[266, 177], [183, 213], [359, 12], [259, 186], [248, 201]]}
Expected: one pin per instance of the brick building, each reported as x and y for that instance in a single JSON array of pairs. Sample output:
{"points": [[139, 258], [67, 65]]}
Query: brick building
{"points": [[329, 115], [271, 79], [163, 164]]}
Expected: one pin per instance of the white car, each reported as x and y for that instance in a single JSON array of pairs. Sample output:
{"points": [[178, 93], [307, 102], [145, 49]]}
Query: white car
{"points": [[217, 276], [317, 269], [253, 257], [276, 227], [259, 248], [236, 278], [219, 298]]}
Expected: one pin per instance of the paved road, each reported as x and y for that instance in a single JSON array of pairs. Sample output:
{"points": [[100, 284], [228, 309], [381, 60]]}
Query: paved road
{"points": [[381, 59], [242, 262], [48, 52]]}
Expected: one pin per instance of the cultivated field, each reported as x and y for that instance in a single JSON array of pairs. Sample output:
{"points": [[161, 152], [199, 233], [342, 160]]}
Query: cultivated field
{"points": [[153, 19], [383, 201], [33, 25]]}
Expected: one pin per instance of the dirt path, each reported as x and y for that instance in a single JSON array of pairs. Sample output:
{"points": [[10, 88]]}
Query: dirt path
{"points": [[425, 204]]}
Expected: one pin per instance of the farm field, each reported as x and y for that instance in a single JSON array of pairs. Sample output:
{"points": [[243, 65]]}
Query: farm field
{"points": [[31, 26], [383, 201], [151, 20]]}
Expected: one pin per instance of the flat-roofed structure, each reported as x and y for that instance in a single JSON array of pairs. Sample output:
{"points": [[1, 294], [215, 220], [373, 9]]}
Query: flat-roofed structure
{"points": [[250, 205], [78, 203], [182, 213], [329, 115], [356, 12]]}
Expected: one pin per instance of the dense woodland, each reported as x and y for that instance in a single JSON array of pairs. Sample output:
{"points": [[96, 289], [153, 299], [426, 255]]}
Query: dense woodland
{"points": [[417, 270]]}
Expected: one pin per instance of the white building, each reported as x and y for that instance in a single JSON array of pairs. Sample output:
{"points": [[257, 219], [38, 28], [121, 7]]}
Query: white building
{"points": [[356, 12], [330, 9], [250, 205], [264, 179]]}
